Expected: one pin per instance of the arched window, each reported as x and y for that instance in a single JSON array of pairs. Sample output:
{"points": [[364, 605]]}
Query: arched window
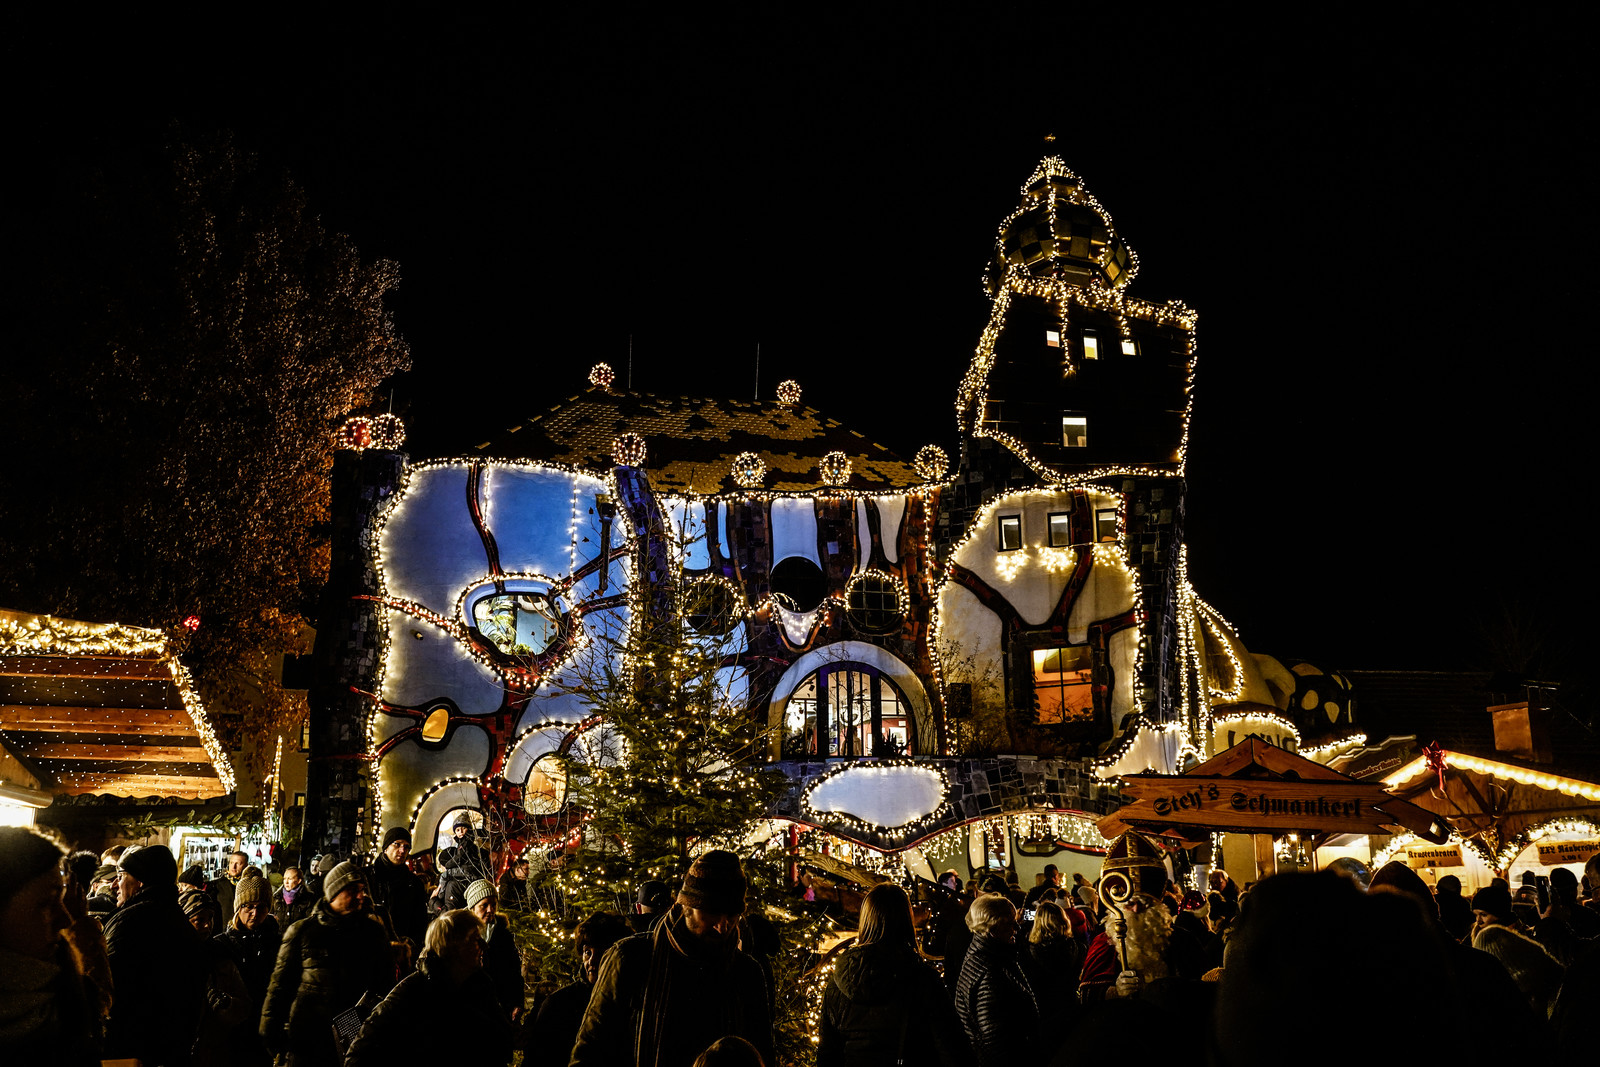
{"points": [[848, 709]]}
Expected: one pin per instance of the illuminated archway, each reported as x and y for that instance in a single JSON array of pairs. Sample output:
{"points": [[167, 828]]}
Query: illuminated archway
{"points": [[862, 659]]}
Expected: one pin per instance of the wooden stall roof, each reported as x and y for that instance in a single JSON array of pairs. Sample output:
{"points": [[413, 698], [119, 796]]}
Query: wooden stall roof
{"points": [[705, 437], [104, 708]]}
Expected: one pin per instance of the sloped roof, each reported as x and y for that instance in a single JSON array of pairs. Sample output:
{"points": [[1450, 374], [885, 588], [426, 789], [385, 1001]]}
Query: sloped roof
{"points": [[691, 442], [104, 708], [1451, 707]]}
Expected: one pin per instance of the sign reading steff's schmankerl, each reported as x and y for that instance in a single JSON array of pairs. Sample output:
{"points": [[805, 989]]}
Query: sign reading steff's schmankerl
{"points": [[1255, 804], [1556, 853]]}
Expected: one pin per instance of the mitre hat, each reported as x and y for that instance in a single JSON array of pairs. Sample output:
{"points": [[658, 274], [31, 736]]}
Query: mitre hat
{"points": [[1137, 857]]}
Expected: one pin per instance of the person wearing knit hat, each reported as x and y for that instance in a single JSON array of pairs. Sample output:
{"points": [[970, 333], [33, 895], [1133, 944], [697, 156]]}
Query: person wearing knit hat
{"points": [[462, 863], [500, 957], [338, 958], [1492, 906], [662, 997], [398, 895], [1536, 974], [158, 962], [251, 940], [193, 876]]}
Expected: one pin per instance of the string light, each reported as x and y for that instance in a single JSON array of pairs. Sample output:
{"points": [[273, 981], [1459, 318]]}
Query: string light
{"points": [[931, 463], [788, 392], [835, 468], [602, 375], [749, 470]]}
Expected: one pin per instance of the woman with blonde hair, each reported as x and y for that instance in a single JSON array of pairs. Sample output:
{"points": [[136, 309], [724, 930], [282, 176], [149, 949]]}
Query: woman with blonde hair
{"points": [[883, 1004], [1053, 959]]}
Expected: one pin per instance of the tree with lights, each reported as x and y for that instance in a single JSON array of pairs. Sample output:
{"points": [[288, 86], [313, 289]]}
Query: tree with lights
{"points": [[193, 340]]}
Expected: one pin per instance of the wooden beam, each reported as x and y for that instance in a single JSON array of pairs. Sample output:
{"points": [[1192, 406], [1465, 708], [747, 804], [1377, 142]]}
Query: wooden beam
{"points": [[141, 785], [159, 753], [94, 668], [44, 718]]}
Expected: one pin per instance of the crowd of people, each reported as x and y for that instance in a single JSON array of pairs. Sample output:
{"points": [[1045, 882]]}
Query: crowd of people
{"points": [[121, 956]]}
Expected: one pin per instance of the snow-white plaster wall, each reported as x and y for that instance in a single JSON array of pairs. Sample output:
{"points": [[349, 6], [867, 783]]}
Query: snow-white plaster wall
{"points": [[429, 546], [434, 667], [410, 769], [794, 530]]}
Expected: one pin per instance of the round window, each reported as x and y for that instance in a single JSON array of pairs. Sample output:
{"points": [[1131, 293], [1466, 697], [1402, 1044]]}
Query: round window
{"points": [[710, 608], [872, 604], [797, 583]]}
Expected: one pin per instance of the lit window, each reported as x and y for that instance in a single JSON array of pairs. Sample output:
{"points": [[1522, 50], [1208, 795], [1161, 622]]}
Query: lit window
{"points": [[305, 734], [1063, 686], [1052, 338], [434, 726], [299, 800], [1060, 529], [519, 624], [1130, 347], [1105, 524], [1010, 532], [1091, 346], [1075, 431]]}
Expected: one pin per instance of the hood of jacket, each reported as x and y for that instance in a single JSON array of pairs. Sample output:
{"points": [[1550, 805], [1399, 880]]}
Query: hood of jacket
{"points": [[875, 973]]}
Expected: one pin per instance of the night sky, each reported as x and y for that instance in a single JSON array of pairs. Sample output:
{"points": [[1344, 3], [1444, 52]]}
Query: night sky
{"points": [[1382, 223]]}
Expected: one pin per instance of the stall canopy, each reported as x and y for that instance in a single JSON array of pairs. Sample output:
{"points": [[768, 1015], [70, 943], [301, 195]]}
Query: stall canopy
{"points": [[104, 708], [1258, 788]]}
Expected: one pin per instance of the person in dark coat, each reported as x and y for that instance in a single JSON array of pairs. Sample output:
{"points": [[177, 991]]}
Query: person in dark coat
{"points": [[993, 998], [1051, 961], [513, 886], [561, 1013], [251, 941], [883, 1004], [398, 895], [664, 995], [221, 889], [449, 983], [501, 960], [461, 864], [958, 935], [294, 901], [1455, 914], [158, 964], [228, 1005], [337, 959], [47, 1005]]}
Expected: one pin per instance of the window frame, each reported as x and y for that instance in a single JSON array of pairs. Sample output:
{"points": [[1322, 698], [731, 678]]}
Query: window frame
{"points": [[1015, 522], [1050, 529], [1083, 421]]}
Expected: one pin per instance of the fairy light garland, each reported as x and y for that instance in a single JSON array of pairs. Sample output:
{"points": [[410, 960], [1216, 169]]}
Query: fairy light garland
{"points": [[788, 392], [1521, 775], [749, 470], [602, 375]]}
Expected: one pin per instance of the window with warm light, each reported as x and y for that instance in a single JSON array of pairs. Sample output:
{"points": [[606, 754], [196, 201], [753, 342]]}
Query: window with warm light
{"points": [[1075, 431], [1130, 347], [1052, 338], [1060, 529], [1063, 687], [1105, 524], [1010, 533], [435, 725], [1091, 346]]}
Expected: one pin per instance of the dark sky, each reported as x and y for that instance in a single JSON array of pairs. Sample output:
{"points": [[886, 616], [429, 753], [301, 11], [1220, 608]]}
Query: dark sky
{"points": [[1383, 224]]}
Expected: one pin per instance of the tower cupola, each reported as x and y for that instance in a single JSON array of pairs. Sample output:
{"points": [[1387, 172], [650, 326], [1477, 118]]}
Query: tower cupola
{"points": [[1061, 232]]}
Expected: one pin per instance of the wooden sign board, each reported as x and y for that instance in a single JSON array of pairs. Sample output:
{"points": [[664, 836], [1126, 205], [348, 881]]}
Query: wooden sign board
{"points": [[1438, 856], [1255, 805], [1556, 853]]}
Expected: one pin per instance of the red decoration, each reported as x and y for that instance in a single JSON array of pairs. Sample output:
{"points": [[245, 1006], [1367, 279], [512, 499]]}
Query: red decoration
{"points": [[1434, 755]]}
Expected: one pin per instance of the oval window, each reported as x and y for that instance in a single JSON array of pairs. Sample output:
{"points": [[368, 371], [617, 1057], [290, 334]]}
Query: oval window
{"points": [[435, 725], [518, 623], [797, 583], [872, 604], [546, 790]]}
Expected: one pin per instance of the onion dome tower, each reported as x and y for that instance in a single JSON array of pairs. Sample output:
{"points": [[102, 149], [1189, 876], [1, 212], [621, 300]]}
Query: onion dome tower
{"points": [[1073, 376]]}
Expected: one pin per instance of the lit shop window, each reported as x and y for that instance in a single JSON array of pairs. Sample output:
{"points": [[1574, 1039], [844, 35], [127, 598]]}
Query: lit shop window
{"points": [[1060, 529], [1075, 431], [1105, 524], [848, 709], [1130, 347], [1010, 533], [1052, 338], [1091, 346], [1062, 684]]}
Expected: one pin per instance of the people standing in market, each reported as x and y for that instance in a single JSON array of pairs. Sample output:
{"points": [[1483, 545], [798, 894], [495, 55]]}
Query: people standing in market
{"points": [[221, 889], [501, 959], [444, 1012], [650, 902], [293, 901], [663, 996], [883, 1004], [513, 885], [994, 1001], [228, 1005], [1138, 945], [158, 963], [49, 1008], [461, 864], [398, 896], [337, 959], [561, 1013], [1052, 880], [1051, 960], [958, 935], [251, 939]]}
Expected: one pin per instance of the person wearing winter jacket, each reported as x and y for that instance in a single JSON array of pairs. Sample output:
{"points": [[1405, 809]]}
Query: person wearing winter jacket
{"points": [[294, 901], [251, 941], [883, 1004], [228, 1006], [158, 964], [993, 998], [449, 983], [337, 959], [501, 959]]}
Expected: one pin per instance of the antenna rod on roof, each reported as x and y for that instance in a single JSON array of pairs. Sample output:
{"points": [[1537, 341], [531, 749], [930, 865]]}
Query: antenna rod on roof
{"points": [[758, 370], [630, 363]]}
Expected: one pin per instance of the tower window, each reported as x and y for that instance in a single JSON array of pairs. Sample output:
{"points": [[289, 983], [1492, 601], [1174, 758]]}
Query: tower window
{"points": [[1060, 529], [1091, 346], [1130, 347], [1105, 524], [1063, 687], [1052, 338], [1010, 533], [1075, 431]]}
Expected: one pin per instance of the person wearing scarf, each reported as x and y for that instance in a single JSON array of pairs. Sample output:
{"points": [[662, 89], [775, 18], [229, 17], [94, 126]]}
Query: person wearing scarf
{"points": [[663, 996]]}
